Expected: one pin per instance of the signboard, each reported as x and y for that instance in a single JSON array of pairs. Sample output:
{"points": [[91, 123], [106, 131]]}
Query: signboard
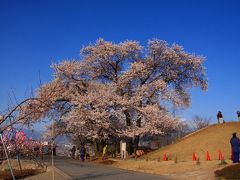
{"points": [[123, 150], [45, 143]]}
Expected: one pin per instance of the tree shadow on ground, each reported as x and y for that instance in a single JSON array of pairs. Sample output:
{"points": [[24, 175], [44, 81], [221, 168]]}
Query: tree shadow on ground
{"points": [[229, 172], [6, 175]]}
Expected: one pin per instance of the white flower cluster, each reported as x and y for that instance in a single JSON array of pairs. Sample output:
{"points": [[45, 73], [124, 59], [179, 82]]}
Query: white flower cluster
{"points": [[118, 90]]}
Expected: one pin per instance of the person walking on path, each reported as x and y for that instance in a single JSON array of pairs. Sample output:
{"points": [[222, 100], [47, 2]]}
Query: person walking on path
{"points": [[104, 155], [73, 152], [77, 154], [238, 115], [82, 153], [235, 144], [220, 117]]}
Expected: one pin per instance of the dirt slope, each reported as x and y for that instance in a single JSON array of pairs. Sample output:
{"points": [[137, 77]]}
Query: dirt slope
{"points": [[212, 138]]}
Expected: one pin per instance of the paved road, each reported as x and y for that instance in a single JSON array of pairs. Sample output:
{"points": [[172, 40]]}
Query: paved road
{"points": [[83, 170]]}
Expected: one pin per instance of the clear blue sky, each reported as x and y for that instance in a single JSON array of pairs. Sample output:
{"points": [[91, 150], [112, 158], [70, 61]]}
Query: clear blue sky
{"points": [[33, 34]]}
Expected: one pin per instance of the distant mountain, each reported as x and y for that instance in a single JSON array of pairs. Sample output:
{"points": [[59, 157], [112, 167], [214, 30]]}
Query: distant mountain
{"points": [[32, 134], [62, 140], [38, 135]]}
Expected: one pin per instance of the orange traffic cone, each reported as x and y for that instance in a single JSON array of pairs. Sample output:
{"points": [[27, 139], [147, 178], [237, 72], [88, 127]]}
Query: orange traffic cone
{"points": [[194, 157], [208, 156], [220, 157], [165, 157]]}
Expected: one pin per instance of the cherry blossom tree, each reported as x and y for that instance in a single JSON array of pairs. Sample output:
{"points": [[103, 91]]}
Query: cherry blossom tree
{"points": [[18, 143], [120, 90]]}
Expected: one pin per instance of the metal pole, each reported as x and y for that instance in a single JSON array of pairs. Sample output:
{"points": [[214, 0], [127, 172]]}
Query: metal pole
{"points": [[5, 150], [53, 177], [17, 149]]}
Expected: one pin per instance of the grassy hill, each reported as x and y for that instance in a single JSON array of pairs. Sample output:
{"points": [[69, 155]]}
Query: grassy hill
{"points": [[212, 138]]}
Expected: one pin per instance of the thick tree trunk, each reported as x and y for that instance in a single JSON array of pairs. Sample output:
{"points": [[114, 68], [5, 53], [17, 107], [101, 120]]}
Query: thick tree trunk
{"points": [[130, 147], [117, 146], [136, 141], [132, 142], [96, 148], [101, 146], [138, 122], [137, 138], [128, 118]]}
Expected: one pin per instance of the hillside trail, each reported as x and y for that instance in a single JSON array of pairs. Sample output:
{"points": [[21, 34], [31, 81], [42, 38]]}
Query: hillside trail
{"points": [[212, 139]]}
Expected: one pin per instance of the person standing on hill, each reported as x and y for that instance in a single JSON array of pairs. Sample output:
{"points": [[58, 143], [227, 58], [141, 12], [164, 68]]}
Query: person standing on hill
{"points": [[220, 117], [235, 144], [238, 115]]}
